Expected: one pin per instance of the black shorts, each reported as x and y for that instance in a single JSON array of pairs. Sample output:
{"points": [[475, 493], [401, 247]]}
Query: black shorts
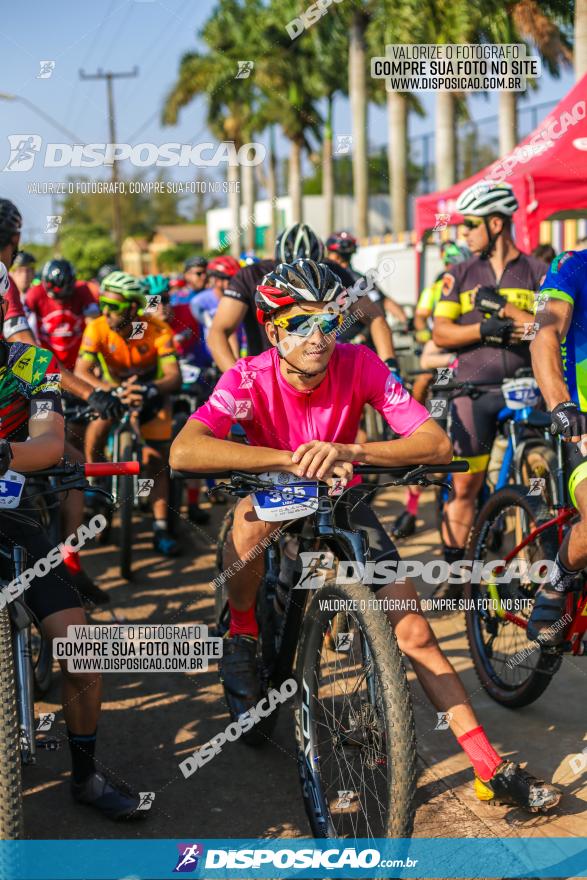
{"points": [[473, 426], [45, 595]]}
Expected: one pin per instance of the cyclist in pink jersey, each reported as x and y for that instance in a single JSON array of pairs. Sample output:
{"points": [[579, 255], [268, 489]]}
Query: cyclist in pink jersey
{"points": [[300, 404]]}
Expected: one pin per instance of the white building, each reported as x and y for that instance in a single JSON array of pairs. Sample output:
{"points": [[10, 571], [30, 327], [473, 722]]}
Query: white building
{"points": [[218, 219]]}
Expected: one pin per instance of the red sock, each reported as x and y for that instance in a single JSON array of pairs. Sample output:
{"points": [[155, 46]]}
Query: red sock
{"points": [[71, 560], [243, 623], [413, 501], [480, 753], [193, 495]]}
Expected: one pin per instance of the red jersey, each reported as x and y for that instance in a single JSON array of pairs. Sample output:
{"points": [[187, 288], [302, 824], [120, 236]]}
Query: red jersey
{"points": [[14, 316], [186, 330], [61, 322]]}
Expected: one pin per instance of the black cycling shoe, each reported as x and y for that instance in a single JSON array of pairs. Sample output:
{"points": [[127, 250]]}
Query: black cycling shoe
{"points": [[165, 544], [91, 594], [516, 787], [115, 800], [240, 674], [404, 526], [197, 516], [545, 623]]}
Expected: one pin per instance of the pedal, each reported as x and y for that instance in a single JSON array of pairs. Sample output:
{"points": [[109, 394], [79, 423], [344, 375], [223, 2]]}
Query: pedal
{"points": [[50, 743]]}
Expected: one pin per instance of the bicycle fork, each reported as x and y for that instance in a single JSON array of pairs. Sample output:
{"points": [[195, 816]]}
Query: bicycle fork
{"points": [[23, 668]]}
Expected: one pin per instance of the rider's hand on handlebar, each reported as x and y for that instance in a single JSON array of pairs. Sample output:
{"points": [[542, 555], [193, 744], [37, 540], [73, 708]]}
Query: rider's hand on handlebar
{"points": [[320, 460], [132, 392], [107, 404], [568, 421]]}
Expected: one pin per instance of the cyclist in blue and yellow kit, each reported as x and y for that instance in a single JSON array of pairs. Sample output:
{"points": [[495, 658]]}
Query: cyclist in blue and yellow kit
{"points": [[559, 359]]}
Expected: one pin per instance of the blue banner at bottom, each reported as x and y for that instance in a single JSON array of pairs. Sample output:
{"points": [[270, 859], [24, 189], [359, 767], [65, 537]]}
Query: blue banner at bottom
{"points": [[254, 859]]}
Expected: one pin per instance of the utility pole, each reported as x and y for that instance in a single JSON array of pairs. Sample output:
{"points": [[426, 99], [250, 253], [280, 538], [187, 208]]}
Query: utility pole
{"points": [[109, 76]]}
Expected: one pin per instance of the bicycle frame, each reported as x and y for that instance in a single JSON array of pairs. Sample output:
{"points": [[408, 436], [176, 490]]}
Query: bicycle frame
{"points": [[127, 424]]}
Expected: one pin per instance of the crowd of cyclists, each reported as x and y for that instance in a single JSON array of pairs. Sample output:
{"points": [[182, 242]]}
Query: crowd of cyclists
{"points": [[121, 343]]}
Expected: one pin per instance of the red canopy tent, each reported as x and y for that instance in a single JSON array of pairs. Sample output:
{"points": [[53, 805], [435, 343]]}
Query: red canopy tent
{"points": [[547, 170]]}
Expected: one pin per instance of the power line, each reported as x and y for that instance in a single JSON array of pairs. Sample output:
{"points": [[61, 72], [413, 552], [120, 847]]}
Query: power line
{"points": [[109, 76]]}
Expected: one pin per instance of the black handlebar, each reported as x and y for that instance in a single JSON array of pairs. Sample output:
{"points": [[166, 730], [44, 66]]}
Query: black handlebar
{"points": [[421, 470]]}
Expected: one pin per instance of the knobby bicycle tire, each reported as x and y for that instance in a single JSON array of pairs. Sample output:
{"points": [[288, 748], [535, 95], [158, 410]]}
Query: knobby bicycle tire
{"points": [[505, 692], [394, 713], [11, 811]]}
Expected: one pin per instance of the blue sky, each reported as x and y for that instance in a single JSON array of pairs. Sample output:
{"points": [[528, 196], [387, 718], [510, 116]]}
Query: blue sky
{"points": [[117, 35]]}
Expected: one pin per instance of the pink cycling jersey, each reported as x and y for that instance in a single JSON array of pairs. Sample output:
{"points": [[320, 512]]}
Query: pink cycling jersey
{"points": [[273, 414]]}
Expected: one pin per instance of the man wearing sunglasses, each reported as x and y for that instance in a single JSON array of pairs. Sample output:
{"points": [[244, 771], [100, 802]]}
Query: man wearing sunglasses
{"points": [[485, 314], [195, 273], [301, 402], [237, 306], [134, 351]]}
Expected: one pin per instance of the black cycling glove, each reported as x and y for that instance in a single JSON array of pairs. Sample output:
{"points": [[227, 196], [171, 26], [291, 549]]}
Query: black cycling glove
{"points": [[107, 404], [568, 420], [5, 456], [496, 331], [152, 403], [488, 300]]}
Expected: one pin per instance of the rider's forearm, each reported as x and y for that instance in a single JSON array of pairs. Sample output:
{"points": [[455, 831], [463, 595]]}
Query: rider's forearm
{"points": [[516, 314], [451, 336], [210, 455], [24, 336], [83, 374], [37, 453], [75, 384], [219, 344], [545, 349], [382, 340], [433, 447]]}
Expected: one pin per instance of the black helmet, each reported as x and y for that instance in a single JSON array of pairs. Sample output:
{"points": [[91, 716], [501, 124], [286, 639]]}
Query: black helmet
{"points": [[298, 242], [195, 263], [299, 282], [105, 270], [58, 276], [10, 221], [23, 258]]}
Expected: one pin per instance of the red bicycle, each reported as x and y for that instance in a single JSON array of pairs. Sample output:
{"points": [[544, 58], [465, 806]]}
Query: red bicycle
{"points": [[519, 531]]}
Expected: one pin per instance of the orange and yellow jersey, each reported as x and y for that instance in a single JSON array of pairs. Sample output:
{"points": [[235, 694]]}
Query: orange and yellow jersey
{"points": [[142, 354]]}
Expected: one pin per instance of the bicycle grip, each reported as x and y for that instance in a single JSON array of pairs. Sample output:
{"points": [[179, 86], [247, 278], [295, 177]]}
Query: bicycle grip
{"points": [[112, 468]]}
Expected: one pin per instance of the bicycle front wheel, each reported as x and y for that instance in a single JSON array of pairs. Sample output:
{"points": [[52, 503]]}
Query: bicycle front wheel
{"points": [[513, 671], [354, 721], [11, 816]]}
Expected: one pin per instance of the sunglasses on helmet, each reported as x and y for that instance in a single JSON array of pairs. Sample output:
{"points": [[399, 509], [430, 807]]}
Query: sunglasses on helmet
{"points": [[305, 325], [113, 305]]}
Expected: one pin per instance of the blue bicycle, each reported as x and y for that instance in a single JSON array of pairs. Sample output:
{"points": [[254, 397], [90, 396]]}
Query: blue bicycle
{"points": [[529, 457]]}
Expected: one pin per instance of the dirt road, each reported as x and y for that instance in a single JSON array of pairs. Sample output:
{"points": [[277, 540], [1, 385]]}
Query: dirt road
{"points": [[151, 722]]}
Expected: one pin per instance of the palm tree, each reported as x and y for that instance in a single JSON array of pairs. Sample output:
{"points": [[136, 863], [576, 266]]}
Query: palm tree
{"points": [[542, 25], [331, 45], [580, 38], [286, 73], [358, 101], [232, 103], [383, 30]]}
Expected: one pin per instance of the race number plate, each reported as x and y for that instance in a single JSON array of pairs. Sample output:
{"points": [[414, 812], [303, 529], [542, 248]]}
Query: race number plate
{"points": [[289, 499], [11, 486]]}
